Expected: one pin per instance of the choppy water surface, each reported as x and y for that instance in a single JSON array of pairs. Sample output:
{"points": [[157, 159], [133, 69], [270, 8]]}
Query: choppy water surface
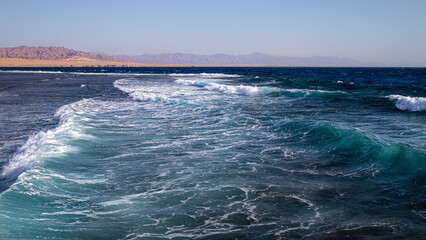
{"points": [[213, 153]]}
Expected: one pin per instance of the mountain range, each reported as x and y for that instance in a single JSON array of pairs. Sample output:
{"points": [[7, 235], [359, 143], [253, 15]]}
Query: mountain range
{"points": [[34, 54], [49, 53], [253, 59]]}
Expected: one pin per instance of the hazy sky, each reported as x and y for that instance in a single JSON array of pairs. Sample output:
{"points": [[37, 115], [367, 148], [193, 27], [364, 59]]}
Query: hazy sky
{"points": [[381, 31]]}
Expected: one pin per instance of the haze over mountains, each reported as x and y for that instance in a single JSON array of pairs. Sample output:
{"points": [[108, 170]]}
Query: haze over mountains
{"points": [[253, 59]]}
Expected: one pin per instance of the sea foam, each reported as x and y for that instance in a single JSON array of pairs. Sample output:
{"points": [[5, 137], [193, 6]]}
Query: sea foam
{"points": [[313, 92], [413, 104], [47, 143], [205, 75], [138, 92], [240, 90], [254, 90]]}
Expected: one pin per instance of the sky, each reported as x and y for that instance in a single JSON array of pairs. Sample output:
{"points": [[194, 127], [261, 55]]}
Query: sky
{"points": [[387, 32]]}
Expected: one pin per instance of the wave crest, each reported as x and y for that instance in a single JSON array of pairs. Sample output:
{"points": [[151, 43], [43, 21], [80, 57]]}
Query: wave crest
{"points": [[205, 75], [366, 150], [139, 92], [413, 104], [52, 142], [255, 90], [240, 90]]}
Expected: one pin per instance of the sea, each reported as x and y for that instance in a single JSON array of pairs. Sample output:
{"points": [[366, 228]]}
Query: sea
{"points": [[213, 153]]}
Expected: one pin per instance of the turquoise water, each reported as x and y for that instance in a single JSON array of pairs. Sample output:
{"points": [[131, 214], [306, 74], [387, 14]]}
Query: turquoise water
{"points": [[213, 153]]}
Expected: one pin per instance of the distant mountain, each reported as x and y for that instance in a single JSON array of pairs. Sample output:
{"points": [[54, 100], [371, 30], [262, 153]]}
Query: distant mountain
{"points": [[49, 53], [253, 59]]}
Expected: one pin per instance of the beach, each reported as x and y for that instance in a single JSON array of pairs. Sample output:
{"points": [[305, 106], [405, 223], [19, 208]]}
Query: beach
{"points": [[72, 62]]}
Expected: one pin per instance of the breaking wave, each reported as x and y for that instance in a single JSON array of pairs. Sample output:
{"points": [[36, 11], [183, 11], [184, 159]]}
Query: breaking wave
{"points": [[204, 75], [240, 90], [255, 90], [54, 142], [413, 104], [141, 93]]}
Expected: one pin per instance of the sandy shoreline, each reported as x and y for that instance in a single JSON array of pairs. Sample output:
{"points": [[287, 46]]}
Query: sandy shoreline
{"points": [[74, 62], [85, 62]]}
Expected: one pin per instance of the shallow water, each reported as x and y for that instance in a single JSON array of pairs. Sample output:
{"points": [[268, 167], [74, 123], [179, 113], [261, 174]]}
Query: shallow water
{"points": [[213, 153]]}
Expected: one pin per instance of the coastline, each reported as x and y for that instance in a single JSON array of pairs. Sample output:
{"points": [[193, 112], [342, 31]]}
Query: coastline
{"points": [[71, 62], [86, 62]]}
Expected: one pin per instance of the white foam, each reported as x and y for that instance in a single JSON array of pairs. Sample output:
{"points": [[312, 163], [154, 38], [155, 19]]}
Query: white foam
{"points": [[409, 103], [311, 91], [44, 143], [52, 142], [250, 90], [241, 89], [140, 92], [84, 212], [205, 75]]}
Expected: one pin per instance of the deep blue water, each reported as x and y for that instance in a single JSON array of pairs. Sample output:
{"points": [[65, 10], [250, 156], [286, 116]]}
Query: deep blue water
{"points": [[213, 153]]}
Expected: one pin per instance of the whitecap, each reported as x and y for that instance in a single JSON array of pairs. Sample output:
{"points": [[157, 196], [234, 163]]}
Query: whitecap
{"points": [[140, 92], [240, 90], [53, 142], [204, 75], [313, 91], [44, 143], [409, 103]]}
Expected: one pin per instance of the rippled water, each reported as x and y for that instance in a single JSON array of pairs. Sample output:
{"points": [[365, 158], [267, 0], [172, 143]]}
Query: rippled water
{"points": [[213, 153]]}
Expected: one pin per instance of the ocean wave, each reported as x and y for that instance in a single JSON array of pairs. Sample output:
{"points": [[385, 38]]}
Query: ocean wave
{"points": [[366, 149], [74, 130], [205, 75], [255, 90], [141, 93], [50, 142], [240, 90], [311, 92], [409, 103]]}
